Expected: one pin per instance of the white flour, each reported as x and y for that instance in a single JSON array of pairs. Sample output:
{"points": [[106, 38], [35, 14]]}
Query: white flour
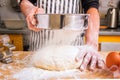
{"points": [[63, 37], [33, 73]]}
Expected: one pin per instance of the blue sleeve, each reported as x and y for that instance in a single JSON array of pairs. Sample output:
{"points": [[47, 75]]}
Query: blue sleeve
{"points": [[90, 3]]}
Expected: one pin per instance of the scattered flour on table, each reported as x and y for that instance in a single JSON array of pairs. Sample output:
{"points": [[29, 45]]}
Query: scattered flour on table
{"points": [[33, 73]]}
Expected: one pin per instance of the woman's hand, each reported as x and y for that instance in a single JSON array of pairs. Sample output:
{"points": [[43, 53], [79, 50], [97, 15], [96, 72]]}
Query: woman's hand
{"points": [[31, 20], [29, 10], [89, 58], [88, 55]]}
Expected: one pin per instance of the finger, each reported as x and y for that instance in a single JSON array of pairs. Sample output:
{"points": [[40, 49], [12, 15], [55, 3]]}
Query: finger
{"points": [[34, 28], [80, 56], [101, 63], [31, 26], [93, 63], [40, 11], [86, 61], [32, 19]]}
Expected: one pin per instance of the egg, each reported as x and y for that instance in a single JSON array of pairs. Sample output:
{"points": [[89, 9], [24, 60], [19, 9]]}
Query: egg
{"points": [[113, 58]]}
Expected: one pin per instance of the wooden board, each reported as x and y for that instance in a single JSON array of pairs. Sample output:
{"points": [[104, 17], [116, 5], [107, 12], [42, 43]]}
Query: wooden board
{"points": [[7, 70]]}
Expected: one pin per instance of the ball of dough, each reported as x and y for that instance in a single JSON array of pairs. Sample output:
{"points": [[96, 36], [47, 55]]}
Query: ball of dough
{"points": [[56, 57]]}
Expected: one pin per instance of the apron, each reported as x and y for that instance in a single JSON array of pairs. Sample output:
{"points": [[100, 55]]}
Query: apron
{"points": [[38, 39]]}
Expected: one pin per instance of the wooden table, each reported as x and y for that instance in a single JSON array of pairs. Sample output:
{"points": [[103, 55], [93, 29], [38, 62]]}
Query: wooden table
{"points": [[7, 70]]}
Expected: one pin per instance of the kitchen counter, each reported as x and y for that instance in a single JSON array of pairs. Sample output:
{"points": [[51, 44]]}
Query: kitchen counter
{"points": [[8, 31], [110, 32], [19, 62]]}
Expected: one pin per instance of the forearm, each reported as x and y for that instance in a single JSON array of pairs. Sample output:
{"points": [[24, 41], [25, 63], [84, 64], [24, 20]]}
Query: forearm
{"points": [[92, 32], [26, 7]]}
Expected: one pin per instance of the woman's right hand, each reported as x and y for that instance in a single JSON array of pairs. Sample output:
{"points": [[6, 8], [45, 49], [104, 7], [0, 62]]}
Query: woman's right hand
{"points": [[29, 10], [31, 20]]}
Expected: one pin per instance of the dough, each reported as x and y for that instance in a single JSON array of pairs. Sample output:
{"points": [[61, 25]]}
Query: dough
{"points": [[56, 57]]}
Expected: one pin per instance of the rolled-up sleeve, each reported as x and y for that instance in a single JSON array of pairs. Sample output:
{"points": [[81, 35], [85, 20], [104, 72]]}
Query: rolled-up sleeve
{"points": [[86, 4]]}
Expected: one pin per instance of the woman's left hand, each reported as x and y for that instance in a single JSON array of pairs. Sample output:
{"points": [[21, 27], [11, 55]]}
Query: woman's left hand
{"points": [[89, 58]]}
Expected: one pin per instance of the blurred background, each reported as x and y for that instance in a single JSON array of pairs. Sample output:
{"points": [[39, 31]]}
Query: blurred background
{"points": [[12, 23]]}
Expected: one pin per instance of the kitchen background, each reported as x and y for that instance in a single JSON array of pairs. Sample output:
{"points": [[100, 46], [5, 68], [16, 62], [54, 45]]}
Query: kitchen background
{"points": [[9, 10]]}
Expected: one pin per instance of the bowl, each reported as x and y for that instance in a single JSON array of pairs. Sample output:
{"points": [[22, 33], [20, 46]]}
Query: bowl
{"points": [[66, 21], [15, 24]]}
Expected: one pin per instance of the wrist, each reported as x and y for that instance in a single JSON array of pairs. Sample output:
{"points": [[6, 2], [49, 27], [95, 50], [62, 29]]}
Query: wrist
{"points": [[91, 37], [92, 41], [94, 45], [21, 1], [27, 7]]}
